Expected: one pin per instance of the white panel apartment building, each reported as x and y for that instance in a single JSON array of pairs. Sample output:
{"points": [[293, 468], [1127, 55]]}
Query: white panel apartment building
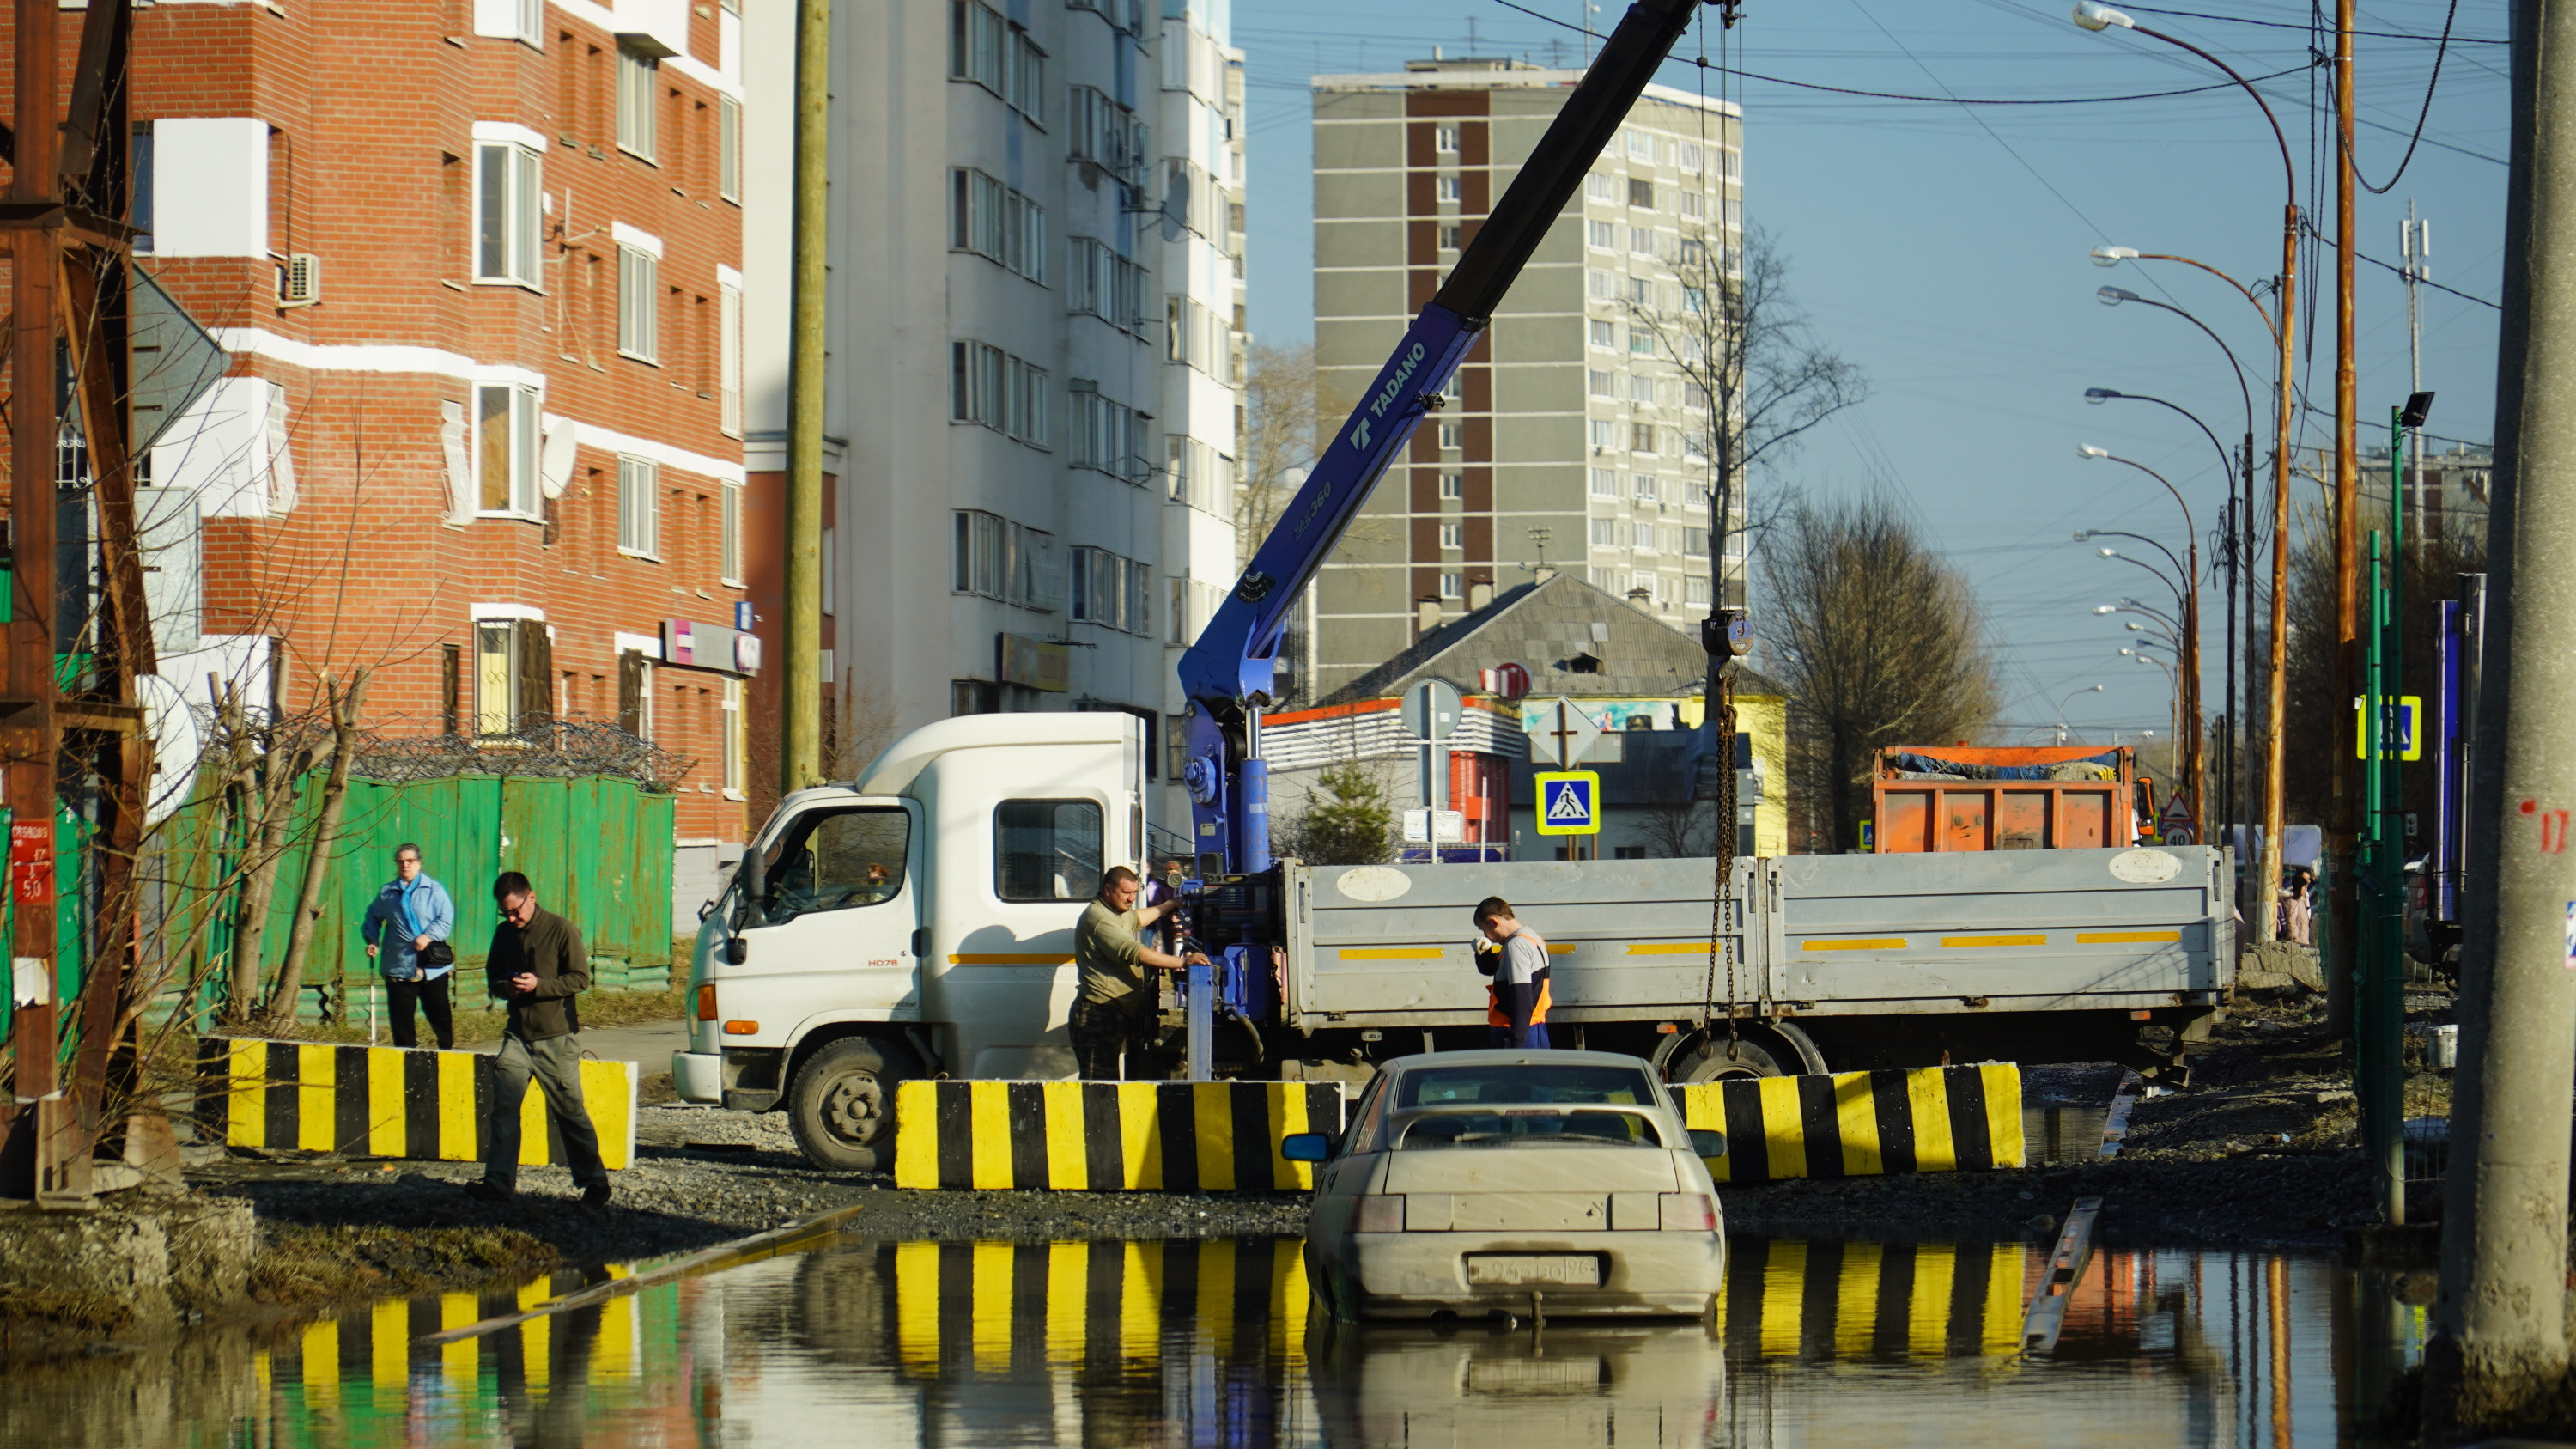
{"points": [[1035, 217], [1571, 433]]}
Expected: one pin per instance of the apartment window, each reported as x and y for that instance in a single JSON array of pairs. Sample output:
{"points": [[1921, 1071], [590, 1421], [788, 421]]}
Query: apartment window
{"points": [[1641, 438], [1453, 436], [1445, 189], [1601, 186], [993, 221], [1600, 235], [1695, 542], [729, 533], [1641, 391], [1645, 538], [1605, 481], [1605, 533], [728, 148], [1449, 232], [1108, 436], [1641, 145], [1602, 383], [1641, 293], [999, 559], [639, 507], [1451, 586], [991, 387], [1601, 433], [729, 360], [1106, 285], [1600, 285], [1105, 134], [639, 296], [1453, 486], [1604, 334], [733, 761], [993, 53], [1444, 138], [1112, 591], [638, 82], [513, 674], [1641, 241], [506, 215], [1453, 535], [1641, 340], [1648, 486], [1695, 591], [1688, 204], [1641, 193], [505, 449], [1690, 157]]}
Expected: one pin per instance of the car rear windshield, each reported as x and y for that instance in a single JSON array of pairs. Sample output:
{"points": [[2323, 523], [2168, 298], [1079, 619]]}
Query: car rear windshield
{"points": [[1528, 1127], [1510, 1083]]}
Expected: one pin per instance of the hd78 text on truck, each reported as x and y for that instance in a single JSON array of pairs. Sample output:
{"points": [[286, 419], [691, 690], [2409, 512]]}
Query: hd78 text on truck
{"points": [[919, 920]]}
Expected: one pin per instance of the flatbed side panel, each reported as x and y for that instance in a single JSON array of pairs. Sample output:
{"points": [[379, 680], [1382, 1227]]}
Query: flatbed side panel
{"points": [[2024, 929], [1372, 943]]}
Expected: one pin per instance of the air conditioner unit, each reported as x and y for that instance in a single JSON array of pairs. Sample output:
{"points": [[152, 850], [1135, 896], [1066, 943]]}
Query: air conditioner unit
{"points": [[299, 281]]}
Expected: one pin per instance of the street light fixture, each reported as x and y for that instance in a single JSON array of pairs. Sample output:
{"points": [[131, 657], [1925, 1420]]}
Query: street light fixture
{"points": [[2094, 16], [2187, 601], [2061, 709]]}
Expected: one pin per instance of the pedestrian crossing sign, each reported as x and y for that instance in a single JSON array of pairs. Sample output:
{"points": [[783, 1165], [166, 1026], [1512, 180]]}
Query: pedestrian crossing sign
{"points": [[1569, 803]]}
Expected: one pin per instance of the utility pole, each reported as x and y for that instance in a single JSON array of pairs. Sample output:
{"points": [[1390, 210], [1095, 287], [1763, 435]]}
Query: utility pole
{"points": [[2499, 1324], [800, 757], [2414, 244], [2342, 816]]}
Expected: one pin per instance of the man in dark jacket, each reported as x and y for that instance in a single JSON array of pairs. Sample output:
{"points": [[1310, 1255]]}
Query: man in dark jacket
{"points": [[538, 967]]}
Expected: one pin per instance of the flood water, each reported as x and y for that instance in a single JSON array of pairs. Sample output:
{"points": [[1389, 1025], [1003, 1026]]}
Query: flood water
{"points": [[1140, 1345]]}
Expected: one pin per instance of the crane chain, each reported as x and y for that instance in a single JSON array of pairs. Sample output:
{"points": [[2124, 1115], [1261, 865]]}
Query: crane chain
{"points": [[1722, 891]]}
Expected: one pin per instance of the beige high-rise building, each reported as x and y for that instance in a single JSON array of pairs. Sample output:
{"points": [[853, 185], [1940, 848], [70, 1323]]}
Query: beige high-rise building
{"points": [[1574, 437]]}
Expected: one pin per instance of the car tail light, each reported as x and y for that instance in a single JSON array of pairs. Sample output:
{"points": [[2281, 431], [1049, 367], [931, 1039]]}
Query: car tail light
{"points": [[707, 1002], [1689, 1212], [1380, 1213]]}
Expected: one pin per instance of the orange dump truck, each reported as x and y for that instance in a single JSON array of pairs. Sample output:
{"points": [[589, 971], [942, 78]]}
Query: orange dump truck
{"points": [[2016, 797]]}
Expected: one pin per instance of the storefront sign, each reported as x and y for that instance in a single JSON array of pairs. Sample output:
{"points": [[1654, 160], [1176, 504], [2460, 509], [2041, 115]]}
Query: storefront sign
{"points": [[1035, 663]]}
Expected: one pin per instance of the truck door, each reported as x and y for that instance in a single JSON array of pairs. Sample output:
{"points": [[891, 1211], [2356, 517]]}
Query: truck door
{"points": [[834, 930]]}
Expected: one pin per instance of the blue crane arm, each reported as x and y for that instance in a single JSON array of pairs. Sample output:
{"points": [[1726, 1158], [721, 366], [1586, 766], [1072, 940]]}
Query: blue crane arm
{"points": [[1227, 675]]}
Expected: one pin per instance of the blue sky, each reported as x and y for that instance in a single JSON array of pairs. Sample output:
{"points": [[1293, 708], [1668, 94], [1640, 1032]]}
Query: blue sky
{"points": [[1944, 249]]}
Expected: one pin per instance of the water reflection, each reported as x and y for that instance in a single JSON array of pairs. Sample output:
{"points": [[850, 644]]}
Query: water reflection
{"points": [[1210, 1343]]}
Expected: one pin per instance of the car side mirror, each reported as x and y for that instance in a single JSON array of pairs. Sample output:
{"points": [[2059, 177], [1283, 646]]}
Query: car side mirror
{"points": [[735, 952], [1306, 1147], [1707, 1142]]}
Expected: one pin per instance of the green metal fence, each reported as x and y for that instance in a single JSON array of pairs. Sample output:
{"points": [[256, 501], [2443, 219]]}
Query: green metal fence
{"points": [[598, 851]]}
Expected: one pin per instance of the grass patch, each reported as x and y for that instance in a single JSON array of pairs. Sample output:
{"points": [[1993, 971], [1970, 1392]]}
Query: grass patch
{"points": [[301, 1264], [481, 1022]]}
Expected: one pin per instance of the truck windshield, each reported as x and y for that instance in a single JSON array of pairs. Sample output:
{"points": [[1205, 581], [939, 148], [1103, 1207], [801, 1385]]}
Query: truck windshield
{"points": [[1512, 1083], [837, 860]]}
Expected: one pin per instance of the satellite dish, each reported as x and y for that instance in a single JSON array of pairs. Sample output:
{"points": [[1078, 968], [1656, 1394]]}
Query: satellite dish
{"points": [[1176, 205]]}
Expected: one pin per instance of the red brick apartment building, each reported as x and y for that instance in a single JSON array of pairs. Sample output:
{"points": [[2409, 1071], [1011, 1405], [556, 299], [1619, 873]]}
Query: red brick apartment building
{"points": [[473, 270]]}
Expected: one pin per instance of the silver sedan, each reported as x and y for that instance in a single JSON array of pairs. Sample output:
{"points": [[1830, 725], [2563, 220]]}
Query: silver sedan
{"points": [[1538, 1182]]}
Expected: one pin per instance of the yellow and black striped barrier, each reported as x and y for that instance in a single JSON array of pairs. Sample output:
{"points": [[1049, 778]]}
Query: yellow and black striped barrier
{"points": [[1108, 1136], [1858, 1124], [389, 1101]]}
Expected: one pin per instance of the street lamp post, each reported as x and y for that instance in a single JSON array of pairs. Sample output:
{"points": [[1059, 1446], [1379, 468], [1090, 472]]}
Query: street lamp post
{"points": [[2236, 529], [2187, 685], [2095, 16], [2061, 709]]}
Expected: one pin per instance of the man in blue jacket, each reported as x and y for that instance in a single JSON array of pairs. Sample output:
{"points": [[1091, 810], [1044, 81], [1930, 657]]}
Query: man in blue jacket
{"points": [[406, 930]]}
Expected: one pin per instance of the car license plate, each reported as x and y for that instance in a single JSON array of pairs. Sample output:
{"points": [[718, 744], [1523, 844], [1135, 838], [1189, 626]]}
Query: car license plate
{"points": [[1573, 1270]]}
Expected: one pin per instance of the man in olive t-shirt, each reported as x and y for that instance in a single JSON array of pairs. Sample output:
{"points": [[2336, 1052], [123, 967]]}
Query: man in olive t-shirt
{"points": [[1114, 1009]]}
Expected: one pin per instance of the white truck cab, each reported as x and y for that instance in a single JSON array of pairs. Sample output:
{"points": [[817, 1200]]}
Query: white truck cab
{"points": [[916, 922]]}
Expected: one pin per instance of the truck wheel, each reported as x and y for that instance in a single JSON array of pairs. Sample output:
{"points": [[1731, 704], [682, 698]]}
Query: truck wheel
{"points": [[841, 1105], [1709, 1061]]}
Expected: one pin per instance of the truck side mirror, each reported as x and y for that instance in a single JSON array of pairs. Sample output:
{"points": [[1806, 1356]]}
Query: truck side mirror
{"points": [[1305, 1147], [755, 887], [1707, 1142], [735, 952]]}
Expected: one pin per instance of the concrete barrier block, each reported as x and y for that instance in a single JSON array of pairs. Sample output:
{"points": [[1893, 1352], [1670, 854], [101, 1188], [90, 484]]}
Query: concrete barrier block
{"points": [[400, 1102], [1856, 1124], [1108, 1136]]}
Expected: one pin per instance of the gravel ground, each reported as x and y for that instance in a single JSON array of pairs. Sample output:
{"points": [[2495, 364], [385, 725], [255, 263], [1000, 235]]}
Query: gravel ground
{"points": [[2259, 1151]]}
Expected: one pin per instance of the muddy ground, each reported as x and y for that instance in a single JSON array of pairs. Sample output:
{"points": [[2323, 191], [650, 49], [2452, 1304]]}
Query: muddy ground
{"points": [[2260, 1150]]}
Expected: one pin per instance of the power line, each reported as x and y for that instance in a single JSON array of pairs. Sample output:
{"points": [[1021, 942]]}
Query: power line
{"points": [[2421, 115], [2295, 25]]}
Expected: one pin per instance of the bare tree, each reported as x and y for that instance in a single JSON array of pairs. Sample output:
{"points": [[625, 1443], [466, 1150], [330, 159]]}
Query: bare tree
{"points": [[1678, 827], [1284, 425], [1878, 643], [343, 705], [1755, 378]]}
